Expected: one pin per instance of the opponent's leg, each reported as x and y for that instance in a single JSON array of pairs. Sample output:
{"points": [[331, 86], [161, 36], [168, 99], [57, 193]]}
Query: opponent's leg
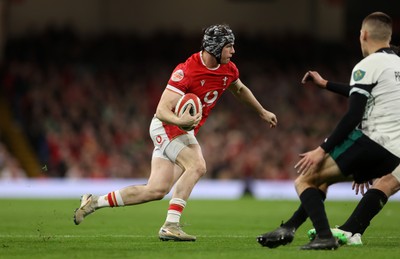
{"points": [[285, 233], [369, 206], [312, 202]]}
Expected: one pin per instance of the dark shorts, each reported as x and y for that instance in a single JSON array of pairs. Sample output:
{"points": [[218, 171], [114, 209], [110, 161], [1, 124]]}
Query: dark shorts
{"points": [[363, 158]]}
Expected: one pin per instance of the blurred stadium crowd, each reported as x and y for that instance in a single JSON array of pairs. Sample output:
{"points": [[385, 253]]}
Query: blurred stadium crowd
{"points": [[86, 103]]}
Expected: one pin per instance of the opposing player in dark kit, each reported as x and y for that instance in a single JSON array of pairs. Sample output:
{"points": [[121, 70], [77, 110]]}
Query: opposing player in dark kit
{"points": [[365, 145]]}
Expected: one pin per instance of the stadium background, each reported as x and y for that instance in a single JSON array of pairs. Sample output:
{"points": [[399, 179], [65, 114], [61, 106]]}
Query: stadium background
{"points": [[80, 81]]}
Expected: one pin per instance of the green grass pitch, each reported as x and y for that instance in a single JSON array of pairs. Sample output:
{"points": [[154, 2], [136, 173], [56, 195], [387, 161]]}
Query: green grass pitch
{"points": [[40, 228]]}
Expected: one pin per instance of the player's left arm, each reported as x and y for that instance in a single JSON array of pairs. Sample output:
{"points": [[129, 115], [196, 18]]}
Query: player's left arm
{"points": [[244, 94]]}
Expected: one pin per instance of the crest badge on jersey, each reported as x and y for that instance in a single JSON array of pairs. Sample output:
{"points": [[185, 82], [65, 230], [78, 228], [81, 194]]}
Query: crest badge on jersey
{"points": [[224, 79], [358, 75], [177, 75]]}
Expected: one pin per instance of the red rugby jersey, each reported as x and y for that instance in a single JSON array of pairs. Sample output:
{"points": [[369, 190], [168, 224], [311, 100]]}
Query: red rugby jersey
{"points": [[193, 76]]}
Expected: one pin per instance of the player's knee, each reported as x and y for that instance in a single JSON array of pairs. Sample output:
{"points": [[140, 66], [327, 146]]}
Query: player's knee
{"points": [[387, 184], [394, 186], [299, 181], [198, 168], [391, 188], [303, 182], [199, 171]]}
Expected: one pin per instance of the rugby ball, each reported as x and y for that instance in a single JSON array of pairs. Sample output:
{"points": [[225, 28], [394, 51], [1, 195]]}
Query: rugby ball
{"points": [[188, 101]]}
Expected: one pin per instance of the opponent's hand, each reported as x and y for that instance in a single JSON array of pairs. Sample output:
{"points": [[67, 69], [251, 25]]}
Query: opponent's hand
{"points": [[314, 77], [310, 161], [361, 187]]}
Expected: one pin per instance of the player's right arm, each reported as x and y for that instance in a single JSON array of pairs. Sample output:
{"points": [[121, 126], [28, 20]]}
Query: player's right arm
{"points": [[315, 78], [311, 160], [165, 113]]}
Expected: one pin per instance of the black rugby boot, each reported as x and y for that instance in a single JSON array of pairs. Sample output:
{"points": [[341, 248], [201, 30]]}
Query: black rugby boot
{"points": [[279, 237]]}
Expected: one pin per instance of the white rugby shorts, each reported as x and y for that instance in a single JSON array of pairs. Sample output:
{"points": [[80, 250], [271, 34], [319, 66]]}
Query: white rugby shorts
{"points": [[167, 148]]}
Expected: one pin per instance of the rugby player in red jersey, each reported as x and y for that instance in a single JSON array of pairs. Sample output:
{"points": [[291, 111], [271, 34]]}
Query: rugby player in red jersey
{"points": [[177, 157]]}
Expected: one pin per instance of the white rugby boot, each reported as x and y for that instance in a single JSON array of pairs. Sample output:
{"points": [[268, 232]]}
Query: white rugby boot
{"points": [[173, 231], [88, 206]]}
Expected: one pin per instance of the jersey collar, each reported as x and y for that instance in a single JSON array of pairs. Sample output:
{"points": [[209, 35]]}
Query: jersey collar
{"points": [[385, 50], [202, 61]]}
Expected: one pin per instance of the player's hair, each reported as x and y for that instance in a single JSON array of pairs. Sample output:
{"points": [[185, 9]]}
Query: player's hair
{"points": [[379, 26], [215, 38]]}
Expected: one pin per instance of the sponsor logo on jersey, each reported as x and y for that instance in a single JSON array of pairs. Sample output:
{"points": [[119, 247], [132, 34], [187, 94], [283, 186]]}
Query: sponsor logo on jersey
{"points": [[358, 75], [202, 82], [177, 75], [210, 97]]}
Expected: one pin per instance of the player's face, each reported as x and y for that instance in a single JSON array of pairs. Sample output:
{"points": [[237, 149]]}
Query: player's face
{"points": [[227, 53]]}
